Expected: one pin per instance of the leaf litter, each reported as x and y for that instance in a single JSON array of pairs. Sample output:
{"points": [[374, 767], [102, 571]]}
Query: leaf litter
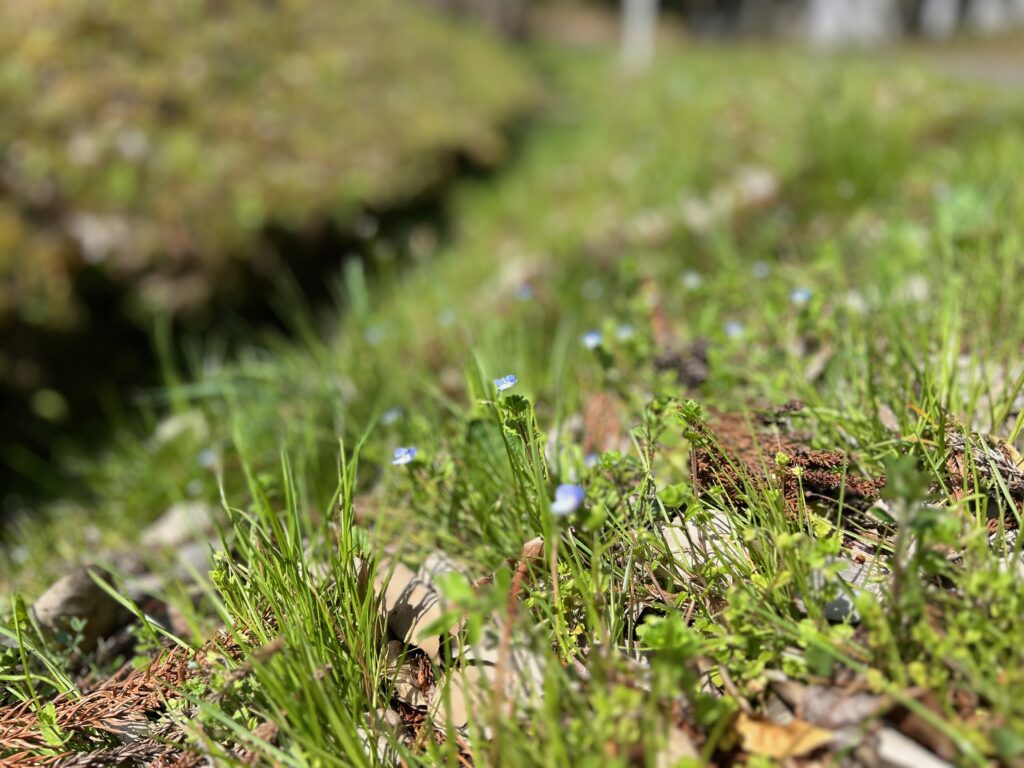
{"points": [[742, 455]]}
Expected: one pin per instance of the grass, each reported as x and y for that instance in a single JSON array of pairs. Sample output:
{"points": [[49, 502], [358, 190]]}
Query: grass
{"points": [[838, 232]]}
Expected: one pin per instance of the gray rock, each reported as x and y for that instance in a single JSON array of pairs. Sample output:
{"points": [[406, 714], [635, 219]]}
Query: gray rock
{"points": [[77, 596], [691, 545], [855, 579], [181, 523]]}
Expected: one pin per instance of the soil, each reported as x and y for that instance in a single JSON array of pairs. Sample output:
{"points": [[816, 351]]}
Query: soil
{"points": [[979, 460], [738, 452]]}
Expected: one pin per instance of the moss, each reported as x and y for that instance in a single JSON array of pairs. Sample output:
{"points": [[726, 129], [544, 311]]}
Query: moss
{"points": [[159, 141]]}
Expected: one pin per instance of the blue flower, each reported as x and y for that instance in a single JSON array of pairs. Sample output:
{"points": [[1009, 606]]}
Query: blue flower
{"points": [[524, 292], [800, 296], [403, 456], [506, 382], [734, 329], [374, 335], [567, 500], [207, 458], [591, 339]]}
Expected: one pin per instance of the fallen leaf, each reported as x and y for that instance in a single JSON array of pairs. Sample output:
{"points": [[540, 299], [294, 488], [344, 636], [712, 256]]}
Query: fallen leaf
{"points": [[794, 739], [404, 672]]}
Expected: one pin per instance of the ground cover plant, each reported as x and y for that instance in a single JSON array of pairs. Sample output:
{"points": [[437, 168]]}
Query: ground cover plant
{"points": [[695, 445]]}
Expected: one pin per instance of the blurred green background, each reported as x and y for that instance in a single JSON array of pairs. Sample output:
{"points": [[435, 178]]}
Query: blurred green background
{"points": [[179, 160], [187, 172]]}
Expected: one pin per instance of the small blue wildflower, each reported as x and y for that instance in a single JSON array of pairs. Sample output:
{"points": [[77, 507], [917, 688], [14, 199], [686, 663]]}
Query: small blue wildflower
{"points": [[403, 456], [734, 329], [761, 270], [624, 332], [567, 500], [524, 292], [390, 416], [692, 280], [591, 460], [591, 339], [207, 458], [374, 335], [800, 296], [506, 382]]}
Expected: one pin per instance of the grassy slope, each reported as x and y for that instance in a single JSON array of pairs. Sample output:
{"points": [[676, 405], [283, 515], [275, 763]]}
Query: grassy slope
{"points": [[258, 116], [182, 158], [897, 208]]}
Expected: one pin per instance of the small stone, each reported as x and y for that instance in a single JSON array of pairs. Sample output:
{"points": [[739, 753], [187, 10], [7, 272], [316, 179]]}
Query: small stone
{"points": [[77, 596], [181, 523], [858, 578]]}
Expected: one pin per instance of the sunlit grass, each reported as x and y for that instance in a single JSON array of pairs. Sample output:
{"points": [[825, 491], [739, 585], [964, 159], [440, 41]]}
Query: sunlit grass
{"points": [[875, 281]]}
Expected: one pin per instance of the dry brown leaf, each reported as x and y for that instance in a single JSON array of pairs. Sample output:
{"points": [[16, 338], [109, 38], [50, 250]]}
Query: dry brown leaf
{"points": [[794, 739], [602, 427]]}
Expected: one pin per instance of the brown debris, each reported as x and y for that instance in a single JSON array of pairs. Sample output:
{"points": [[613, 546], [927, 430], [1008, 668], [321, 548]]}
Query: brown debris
{"points": [[782, 742], [119, 705], [602, 428], [122, 708], [912, 725], [265, 731], [991, 460], [736, 453]]}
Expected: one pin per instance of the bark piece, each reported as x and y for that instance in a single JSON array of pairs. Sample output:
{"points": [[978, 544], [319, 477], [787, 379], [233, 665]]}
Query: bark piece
{"points": [[738, 454]]}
